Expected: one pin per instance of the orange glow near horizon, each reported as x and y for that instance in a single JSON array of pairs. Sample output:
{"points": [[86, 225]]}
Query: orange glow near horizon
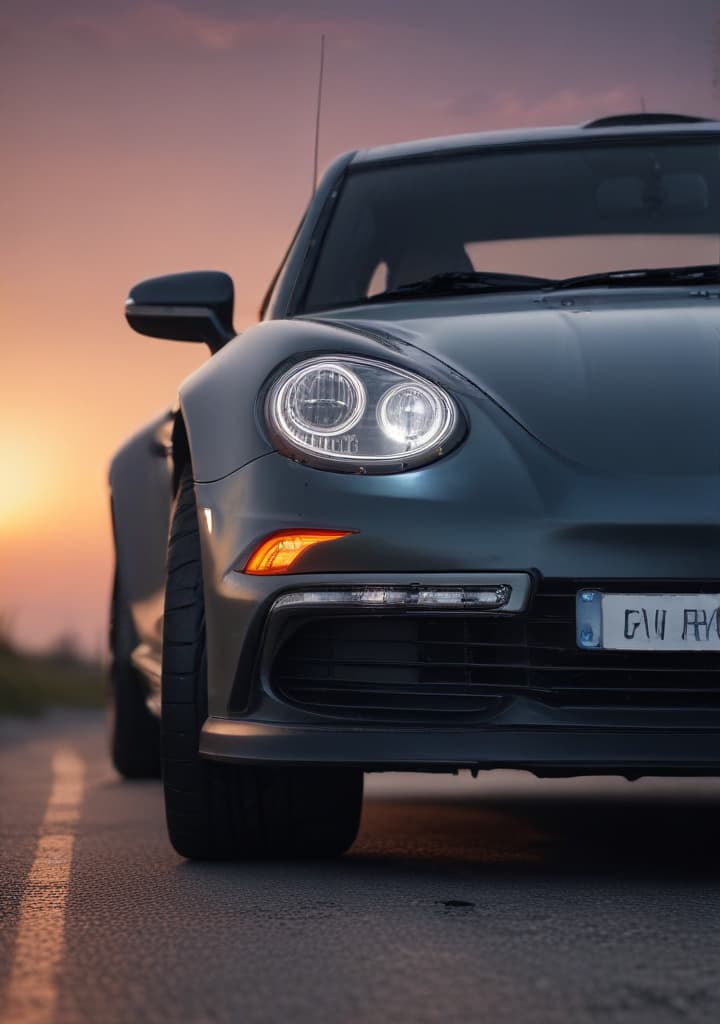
{"points": [[26, 486]]}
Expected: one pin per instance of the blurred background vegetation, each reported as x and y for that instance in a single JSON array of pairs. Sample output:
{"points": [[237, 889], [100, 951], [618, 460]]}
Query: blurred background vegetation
{"points": [[60, 677]]}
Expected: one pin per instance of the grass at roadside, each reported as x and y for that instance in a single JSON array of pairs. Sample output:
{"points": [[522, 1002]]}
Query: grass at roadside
{"points": [[33, 683]]}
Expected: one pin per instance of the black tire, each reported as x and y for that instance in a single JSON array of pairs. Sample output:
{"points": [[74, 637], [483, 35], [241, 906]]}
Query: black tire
{"points": [[133, 730], [221, 811]]}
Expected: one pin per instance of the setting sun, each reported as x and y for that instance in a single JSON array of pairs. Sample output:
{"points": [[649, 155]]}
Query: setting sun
{"points": [[26, 485]]}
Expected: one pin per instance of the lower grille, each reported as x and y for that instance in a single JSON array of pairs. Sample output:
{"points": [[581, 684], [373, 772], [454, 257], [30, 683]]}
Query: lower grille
{"points": [[417, 664]]}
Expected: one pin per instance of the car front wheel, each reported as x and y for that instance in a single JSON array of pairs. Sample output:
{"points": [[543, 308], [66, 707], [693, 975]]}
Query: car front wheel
{"points": [[226, 811]]}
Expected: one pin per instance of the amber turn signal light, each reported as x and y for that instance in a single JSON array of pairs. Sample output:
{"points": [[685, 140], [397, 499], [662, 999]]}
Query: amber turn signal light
{"points": [[279, 552]]}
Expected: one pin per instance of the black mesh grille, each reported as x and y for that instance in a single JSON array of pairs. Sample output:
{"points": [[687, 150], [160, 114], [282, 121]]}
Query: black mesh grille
{"points": [[450, 663]]}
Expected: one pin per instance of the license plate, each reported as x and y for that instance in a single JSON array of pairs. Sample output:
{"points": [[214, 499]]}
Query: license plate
{"points": [[648, 622]]}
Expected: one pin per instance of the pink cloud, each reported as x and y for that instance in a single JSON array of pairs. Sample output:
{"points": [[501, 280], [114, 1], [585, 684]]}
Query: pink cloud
{"points": [[566, 106], [214, 33]]}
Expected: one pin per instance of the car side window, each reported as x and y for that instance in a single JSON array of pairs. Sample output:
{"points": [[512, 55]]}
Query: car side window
{"points": [[378, 280]]}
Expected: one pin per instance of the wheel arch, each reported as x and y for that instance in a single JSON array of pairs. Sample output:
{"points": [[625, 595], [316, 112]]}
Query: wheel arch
{"points": [[140, 497], [180, 450]]}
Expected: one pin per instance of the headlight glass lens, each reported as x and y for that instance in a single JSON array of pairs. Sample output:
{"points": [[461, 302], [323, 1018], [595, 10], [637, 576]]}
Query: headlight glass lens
{"points": [[324, 399], [359, 415], [409, 413]]}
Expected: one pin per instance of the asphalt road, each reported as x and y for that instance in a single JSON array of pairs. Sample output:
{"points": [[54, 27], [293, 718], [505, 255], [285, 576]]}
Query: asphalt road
{"points": [[500, 900]]}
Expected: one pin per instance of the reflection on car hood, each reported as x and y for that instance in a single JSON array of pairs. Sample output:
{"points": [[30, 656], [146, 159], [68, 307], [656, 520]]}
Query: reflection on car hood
{"points": [[614, 385]]}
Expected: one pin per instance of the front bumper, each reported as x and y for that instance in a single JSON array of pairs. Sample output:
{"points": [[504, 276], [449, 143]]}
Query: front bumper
{"points": [[544, 749], [442, 524], [551, 721]]}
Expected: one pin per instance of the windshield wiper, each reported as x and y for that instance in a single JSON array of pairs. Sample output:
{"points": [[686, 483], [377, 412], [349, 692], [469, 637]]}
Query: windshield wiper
{"points": [[464, 282], [706, 274], [487, 282]]}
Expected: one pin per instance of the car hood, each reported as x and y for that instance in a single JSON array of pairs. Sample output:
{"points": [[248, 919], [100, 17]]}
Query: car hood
{"points": [[612, 384]]}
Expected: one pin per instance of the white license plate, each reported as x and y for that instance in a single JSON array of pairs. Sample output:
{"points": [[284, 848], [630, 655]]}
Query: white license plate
{"points": [[648, 622]]}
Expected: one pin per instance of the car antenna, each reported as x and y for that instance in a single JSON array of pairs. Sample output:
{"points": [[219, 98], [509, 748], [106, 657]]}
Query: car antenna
{"points": [[317, 113]]}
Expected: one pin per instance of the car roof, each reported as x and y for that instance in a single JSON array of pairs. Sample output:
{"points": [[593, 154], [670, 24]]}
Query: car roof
{"points": [[622, 126]]}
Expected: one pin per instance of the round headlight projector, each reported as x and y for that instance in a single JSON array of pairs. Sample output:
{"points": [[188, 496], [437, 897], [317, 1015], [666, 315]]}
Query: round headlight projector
{"points": [[409, 413], [360, 416], [324, 399]]}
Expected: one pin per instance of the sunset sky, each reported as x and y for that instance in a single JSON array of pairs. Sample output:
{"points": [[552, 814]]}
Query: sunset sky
{"points": [[142, 138]]}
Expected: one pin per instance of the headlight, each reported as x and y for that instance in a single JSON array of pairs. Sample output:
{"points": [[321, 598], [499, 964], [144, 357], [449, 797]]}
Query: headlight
{"points": [[359, 415], [323, 400]]}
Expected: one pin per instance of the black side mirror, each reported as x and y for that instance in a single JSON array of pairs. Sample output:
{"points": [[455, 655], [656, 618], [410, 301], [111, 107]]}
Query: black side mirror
{"points": [[184, 307]]}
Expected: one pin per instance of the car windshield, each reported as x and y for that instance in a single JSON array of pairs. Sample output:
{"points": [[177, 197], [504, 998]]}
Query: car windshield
{"points": [[552, 211]]}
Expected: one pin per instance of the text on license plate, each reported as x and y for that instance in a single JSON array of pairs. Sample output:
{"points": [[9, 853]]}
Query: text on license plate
{"points": [[648, 622]]}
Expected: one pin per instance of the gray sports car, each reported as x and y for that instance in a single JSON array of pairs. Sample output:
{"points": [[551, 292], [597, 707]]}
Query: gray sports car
{"points": [[453, 503]]}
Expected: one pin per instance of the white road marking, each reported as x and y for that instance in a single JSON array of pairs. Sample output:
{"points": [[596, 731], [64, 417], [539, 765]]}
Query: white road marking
{"points": [[31, 995]]}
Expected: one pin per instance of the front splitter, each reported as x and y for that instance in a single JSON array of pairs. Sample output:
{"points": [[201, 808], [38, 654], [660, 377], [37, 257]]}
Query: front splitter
{"points": [[544, 750]]}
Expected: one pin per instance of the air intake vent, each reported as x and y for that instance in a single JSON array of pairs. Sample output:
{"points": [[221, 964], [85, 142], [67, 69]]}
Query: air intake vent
{"points": [[629, 120], [411, 666]]}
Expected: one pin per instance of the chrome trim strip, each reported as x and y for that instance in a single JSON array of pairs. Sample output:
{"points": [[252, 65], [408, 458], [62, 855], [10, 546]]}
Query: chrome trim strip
{"points": [[520, 584]]}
